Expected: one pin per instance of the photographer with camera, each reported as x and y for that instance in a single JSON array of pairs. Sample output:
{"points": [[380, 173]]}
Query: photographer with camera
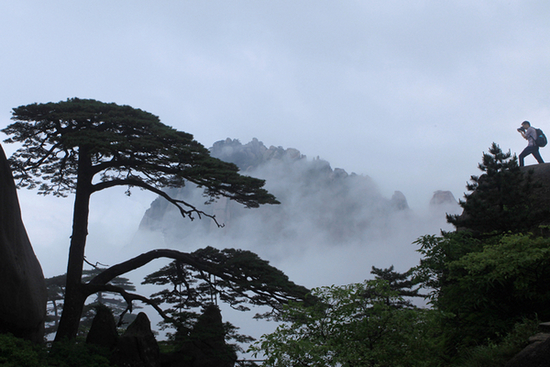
{"points": [[530, 134]]}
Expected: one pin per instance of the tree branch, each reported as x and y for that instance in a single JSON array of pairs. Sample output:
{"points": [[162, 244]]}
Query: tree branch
{"points": [[180, 204], [110, 273], [128, 297], [266, 294]]}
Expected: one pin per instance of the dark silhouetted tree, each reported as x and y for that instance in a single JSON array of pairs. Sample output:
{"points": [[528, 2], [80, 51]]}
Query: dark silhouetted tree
{"points": [[83, 146], [238, 278], [499, 200], [115, 302]]}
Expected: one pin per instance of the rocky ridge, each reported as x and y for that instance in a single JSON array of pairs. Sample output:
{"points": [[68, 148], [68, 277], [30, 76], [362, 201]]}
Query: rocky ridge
{"points": [[334, 205]]}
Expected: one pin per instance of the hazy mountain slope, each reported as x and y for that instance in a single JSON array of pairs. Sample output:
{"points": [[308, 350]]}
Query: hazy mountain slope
{"points": [[319, 205]]}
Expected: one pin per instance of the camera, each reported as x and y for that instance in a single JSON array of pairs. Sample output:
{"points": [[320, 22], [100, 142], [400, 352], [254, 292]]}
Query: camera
{"points": [[521, 129]]}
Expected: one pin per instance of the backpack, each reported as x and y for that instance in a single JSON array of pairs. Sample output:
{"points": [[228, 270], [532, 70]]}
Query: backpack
{"points": [[541, 140]]}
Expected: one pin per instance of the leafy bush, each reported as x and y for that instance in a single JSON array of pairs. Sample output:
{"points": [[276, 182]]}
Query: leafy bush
{"points": [[497, 354], [70, 354], [352, 325], [16, 352], [487, 285]]}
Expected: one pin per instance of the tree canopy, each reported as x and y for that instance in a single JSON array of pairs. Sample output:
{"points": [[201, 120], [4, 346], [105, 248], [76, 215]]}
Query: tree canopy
{"points": [[235, 277], [83, 146], [499, 200], [489, 274], [351, 325], [123, 146]]}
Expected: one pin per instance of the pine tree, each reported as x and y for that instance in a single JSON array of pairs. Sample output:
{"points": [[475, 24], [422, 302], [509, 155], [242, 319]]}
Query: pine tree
{"points": [[248, 280], [499, 200], [400, 283], [83, 146], [115, 302]]}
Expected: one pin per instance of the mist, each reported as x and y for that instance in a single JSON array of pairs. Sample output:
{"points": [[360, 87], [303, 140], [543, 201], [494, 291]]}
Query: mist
{"points": [[330, 228]]}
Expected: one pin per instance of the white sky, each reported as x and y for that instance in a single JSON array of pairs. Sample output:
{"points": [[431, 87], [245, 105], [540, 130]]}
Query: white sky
{"points": [[408, 92]]}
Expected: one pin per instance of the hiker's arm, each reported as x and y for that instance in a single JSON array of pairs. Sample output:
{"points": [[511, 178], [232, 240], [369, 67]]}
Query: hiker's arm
{"points": [[523, 134]]}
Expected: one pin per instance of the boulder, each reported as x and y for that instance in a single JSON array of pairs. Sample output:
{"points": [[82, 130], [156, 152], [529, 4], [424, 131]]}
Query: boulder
{"points": [[137, 347], [399, 201], [206, 345], [441, 197], [540, 174], [23, 295], [536, 354], [103, 330]]}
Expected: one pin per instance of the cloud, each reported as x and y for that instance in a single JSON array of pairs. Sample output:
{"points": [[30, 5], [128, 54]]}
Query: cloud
{"points": [[325, 215]]}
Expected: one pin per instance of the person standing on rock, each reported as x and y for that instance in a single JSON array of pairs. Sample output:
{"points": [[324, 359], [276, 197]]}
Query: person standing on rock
{"points": [[530, 134]]}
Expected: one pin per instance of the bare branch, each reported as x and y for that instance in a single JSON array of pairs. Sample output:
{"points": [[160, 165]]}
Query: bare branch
{"points": [[180, 204], [96, 265]]}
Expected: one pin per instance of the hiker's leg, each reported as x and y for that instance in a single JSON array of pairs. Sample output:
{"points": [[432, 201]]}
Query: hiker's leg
{"points": [[522, 156], [537, 156]]}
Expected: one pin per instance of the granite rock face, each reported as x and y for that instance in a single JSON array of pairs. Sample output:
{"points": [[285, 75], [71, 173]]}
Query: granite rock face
{"points": [[205, 345], [399, 201], [103, 330], [332, 205], [441, 197], [541, 184], [137, 347], [23, 293]]}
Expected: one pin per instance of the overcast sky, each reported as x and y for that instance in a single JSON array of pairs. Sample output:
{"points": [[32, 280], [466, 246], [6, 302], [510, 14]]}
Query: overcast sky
{"points": [[409, 93]]}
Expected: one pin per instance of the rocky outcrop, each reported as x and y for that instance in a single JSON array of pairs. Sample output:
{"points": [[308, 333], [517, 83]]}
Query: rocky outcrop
{"points": [[137, 347], [399, 201], [23, 294], [444, 203], [540, 174], [336, 206], [252, 154], [441, 197], [205, 346], [103, 330], [537, 353]]}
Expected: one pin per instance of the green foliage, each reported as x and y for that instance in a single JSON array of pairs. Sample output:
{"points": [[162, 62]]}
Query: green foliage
{"points": [[237, 277], [496, 354], [506, 281], [489, 275], [351, 325], [487, 285], [437, 253], [16, 352], [400, 283], [499, 200]]}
